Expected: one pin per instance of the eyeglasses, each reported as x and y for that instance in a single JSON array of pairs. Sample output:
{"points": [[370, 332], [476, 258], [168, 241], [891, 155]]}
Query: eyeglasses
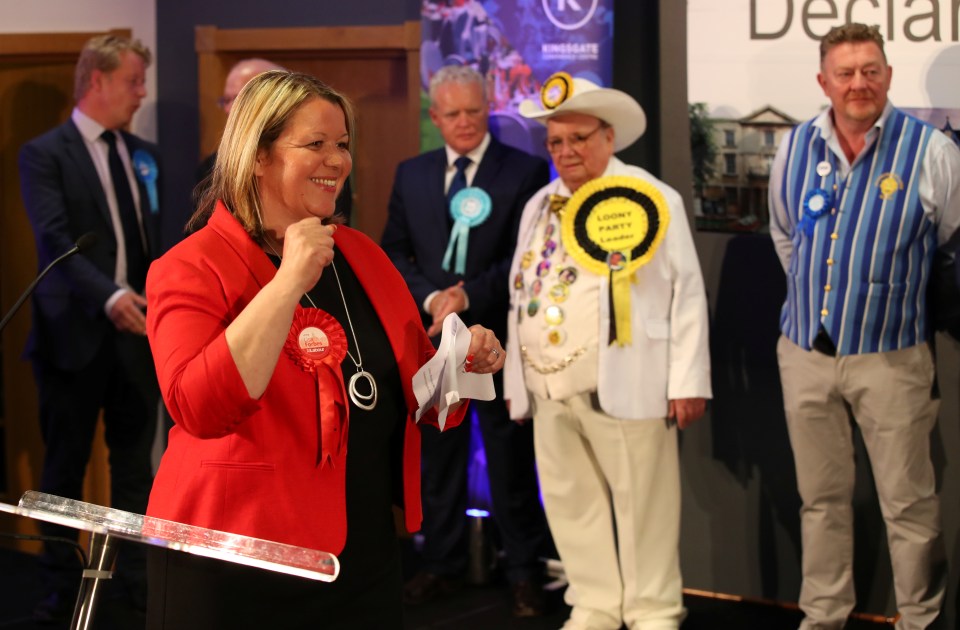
{"points": [[225, 101], [575, 142]]}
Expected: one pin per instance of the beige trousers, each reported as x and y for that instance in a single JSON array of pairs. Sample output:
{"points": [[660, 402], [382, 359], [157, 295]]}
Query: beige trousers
{"points": [[889, 396], [611, 489]]}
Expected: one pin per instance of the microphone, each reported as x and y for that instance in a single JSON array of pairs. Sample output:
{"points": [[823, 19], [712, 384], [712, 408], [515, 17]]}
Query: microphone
{"points": [[84, 243]]}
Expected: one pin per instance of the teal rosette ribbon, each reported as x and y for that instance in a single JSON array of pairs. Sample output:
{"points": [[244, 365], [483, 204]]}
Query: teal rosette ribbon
{"points": [[469, 208], [816, 203], [146, 169]]}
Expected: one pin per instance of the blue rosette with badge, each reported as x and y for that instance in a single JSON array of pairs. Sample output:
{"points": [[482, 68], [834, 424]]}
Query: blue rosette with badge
{"points": [[469, 208], [146, 169], [816, 203]]}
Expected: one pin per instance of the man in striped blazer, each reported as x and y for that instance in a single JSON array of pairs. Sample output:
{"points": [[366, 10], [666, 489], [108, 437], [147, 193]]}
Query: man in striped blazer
{"points": [[861, 197]]}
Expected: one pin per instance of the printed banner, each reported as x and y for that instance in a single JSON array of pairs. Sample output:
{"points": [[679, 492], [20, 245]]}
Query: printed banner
{"points": [[516, 44], [753, 75]]}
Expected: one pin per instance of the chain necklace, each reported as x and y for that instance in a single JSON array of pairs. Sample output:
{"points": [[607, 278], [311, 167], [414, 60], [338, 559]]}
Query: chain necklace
{"points": [[364, 401]]}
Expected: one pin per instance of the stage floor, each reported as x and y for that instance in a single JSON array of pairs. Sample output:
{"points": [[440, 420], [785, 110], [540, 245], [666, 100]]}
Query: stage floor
{"points": [[473, 608]]}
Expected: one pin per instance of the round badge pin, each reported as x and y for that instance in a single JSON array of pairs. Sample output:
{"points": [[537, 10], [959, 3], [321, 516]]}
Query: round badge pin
{"points": [[559, 292], [549, 247], [824, 168], [527, 260], [568, 275], [553, 314], [533, 307], [312, 340], [543, 268], [616, 261], [556, 336], [556, 89], [536, 286]]}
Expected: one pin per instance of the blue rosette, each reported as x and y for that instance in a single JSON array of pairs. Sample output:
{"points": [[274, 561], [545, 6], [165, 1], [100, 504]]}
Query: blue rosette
{"points": [[816, 203], [146, 169], [469, 208]]}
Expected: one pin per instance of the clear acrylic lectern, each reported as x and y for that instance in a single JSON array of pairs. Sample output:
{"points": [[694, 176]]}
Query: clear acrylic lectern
{"points": [[106, 525]]}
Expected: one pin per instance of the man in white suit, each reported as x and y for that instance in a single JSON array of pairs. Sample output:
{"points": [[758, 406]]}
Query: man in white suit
{"points": [[608, 353]]}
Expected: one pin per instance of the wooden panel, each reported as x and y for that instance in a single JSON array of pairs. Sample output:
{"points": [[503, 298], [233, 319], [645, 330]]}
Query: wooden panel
{"points": [[65, 46], [210, 39], [36, 94], [377, 67]]}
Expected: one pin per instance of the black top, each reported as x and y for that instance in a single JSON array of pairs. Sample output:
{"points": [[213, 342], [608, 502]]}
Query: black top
{"points": [[374, 438]]}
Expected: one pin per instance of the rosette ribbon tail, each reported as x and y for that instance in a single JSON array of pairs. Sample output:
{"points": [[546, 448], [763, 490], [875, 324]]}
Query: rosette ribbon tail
{"points": [[153, 197], [620, 332], [459, 236], [334, 413]]}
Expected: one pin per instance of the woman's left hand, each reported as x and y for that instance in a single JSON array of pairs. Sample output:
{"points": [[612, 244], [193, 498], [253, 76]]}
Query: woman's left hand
{"points": [[485, 354]]}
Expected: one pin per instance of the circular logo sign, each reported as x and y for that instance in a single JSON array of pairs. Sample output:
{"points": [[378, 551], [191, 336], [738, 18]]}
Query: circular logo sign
{"points": [[569, 15]]}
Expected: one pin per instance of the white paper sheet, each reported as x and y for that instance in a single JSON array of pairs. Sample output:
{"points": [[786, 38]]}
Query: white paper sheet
{"points": [[441, 381]]}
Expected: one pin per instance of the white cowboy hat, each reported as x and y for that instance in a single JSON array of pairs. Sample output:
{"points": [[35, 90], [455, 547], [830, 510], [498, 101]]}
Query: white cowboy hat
{"points": [[562, 94]]}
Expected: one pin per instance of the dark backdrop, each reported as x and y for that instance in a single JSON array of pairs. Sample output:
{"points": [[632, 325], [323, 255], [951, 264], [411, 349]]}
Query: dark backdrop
{"points": [[178, 118], [740, 527]]}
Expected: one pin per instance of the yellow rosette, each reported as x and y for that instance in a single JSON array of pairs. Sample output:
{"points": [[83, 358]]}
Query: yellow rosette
{"points": [[614, 225]]}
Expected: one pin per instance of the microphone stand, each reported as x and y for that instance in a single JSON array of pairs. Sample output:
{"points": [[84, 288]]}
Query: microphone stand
{"points": [[84, 242]]}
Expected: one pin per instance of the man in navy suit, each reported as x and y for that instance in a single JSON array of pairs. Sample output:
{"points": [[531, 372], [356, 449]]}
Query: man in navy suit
{"points": [[88, 343], [472, 282]]}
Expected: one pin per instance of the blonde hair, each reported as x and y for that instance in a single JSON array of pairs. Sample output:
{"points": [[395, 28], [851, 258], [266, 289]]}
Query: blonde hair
{"points": [[258, 117], [103, 53]]}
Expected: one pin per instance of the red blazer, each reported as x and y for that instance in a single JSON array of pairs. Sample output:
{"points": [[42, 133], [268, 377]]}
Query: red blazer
{"points": [[250, 466]]}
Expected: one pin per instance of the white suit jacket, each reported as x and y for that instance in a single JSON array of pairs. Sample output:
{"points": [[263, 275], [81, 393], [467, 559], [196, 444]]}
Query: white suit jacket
{"points": [[669, 357]]}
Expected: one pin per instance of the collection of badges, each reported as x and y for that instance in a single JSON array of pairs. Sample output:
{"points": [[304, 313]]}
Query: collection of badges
{"points": [[611, 227], [549, 285]]}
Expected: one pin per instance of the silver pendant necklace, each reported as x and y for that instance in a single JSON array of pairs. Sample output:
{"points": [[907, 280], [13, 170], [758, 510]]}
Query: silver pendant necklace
{"points": [[364, 401]]}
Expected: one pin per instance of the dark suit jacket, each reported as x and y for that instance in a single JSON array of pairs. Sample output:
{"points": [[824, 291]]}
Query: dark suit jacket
{"points": [[64, 200], [418, 229]]}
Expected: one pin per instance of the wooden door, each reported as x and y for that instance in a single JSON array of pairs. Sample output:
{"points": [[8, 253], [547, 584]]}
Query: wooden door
{"points": [[36, 94], [377, 67]]}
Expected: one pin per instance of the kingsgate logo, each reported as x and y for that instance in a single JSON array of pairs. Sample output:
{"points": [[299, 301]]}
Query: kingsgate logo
{"points": [[569, 14]]}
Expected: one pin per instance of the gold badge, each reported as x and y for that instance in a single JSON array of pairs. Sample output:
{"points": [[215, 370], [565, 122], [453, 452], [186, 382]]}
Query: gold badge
{"points": [[556, 89], [889, 183], [554, 315], [556, 336], [559, 292]]}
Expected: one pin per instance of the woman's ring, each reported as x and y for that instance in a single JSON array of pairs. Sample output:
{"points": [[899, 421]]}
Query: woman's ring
{"points": [[496, 353]]}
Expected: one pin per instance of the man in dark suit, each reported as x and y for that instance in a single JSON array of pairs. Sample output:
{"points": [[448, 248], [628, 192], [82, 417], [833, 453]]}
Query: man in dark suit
{"points": [[88, 343], [473, 282], [237, 77]]}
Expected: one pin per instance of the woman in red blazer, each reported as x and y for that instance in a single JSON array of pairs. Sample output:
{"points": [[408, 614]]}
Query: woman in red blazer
{"points": [[285, 347]]}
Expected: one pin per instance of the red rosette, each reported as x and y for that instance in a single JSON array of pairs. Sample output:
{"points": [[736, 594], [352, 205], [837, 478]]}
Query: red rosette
{"points": [[315, 338], [317, 343]]}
